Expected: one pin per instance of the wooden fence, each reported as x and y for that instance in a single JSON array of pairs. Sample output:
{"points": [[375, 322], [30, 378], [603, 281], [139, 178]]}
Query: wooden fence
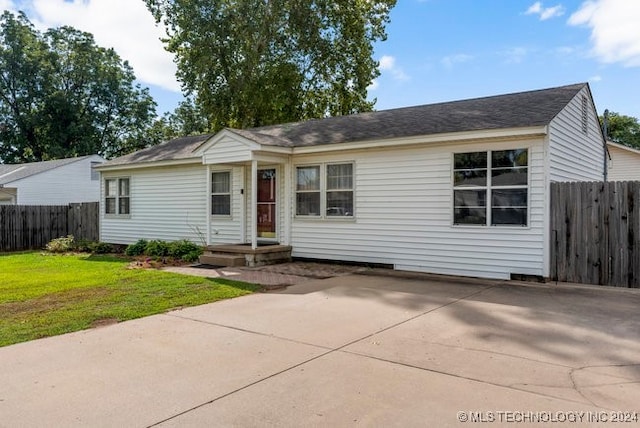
{"points": [[26, 227], [595, 233]]}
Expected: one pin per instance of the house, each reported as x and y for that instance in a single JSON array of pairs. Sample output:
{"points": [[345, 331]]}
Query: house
{"points": [[624, 163], [54, 182], [458, 188]]}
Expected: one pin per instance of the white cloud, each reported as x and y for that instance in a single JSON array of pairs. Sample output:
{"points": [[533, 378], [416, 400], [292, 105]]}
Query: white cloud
{"points": [[451, 60], [515, 55], [545, 12], [595, 78], [615, 32], [388, 64], [375, 84], [125, 25]]}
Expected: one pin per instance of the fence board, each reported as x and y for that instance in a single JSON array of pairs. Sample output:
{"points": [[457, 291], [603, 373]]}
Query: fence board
{"points": [[26, 227], [595, 233]]}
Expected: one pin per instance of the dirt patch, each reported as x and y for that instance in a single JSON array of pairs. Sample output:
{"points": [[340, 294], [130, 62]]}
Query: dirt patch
{"points": [[53, 301], [142, 262], [104, 322]]}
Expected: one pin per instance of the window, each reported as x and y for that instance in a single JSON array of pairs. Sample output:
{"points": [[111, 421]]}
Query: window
{"points": [[117, 196], [325, 189], [491, 188], [308, 190], [221, 193]]}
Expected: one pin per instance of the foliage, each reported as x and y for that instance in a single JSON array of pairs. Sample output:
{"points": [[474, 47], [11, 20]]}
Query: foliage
{"points": [[69, 293], [181, 250], [100, 248], [623, 129], [136, 249], [157, 248], [61, 245], [185, 250], [186, 119], [61, 95], [254, 62]]}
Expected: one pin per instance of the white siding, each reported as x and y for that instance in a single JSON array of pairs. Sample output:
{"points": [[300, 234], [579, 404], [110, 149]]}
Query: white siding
{"points": [[227, 150], [404, 217], [60, 186], [227, 230], [167, 203], [574, 155], [624, 164]]}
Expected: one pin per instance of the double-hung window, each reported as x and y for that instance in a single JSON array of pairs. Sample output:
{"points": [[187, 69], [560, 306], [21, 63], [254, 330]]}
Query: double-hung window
{"points": [[117, 199], [325, 190], [221, 193], [491, 188]]}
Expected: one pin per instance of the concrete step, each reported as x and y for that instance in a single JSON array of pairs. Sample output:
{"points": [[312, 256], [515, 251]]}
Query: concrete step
{"points": [[221, 259]]}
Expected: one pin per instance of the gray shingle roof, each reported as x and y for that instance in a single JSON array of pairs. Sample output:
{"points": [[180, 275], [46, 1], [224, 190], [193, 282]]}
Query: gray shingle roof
{"points": [[14, 172], [179, 148], [523, 109]]}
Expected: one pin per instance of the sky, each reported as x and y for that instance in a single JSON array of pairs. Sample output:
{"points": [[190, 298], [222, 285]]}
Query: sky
{"points": [[436, 50]]}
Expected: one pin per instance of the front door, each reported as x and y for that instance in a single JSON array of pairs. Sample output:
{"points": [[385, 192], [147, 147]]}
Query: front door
{"points": [[267, 203]]}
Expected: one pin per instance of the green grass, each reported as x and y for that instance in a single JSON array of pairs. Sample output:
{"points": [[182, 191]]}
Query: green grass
{"points": [[44, 295]]}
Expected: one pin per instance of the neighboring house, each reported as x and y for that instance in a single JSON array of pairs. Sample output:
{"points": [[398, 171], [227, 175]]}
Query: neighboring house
{"points": [[624, 164], [55, 182], [457, 188]]}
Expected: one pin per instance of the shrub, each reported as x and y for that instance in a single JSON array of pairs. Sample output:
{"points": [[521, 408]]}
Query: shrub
{"points": [[180, 249], [100, 247], [136, 249], [83, 245], [61, 245], [157, 249]]}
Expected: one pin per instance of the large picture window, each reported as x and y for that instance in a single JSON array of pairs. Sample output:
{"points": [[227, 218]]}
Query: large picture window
{"points": [[325, 190], [117, 198], [221, 193], [491, 188]]}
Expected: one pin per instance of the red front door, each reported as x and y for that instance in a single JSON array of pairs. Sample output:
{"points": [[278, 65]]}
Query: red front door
{"points": [[267, 203]]}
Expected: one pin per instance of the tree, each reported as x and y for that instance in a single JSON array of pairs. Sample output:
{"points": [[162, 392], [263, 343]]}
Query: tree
{"points": [[186, 119], [623, 129], [259, 62], [61, 95]]}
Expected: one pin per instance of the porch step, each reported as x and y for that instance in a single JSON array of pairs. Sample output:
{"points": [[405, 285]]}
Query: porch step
{"points": [[222, 259]]}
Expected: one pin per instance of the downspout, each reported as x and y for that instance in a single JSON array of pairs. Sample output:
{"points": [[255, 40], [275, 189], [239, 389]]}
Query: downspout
{"points": [[605, 132]]}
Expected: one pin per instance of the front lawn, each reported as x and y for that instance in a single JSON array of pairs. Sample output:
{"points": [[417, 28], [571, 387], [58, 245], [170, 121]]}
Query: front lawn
{"points": [[44, 295]]}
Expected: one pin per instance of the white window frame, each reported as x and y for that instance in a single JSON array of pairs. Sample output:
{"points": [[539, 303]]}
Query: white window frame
{"points": [[118, 197], [323, 190], [488, 188], [229, 193]]}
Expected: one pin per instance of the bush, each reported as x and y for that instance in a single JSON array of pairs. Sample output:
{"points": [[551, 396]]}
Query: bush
{"points": [[184, 248], [157, 249], [100, 248], [61, 245], [83, 245], [136, 249]]}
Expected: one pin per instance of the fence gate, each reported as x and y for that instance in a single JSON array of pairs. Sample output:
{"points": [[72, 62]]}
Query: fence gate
{"points": [[595, 233]]}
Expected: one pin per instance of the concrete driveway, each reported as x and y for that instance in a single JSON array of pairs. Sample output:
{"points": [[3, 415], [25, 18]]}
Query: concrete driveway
{"points": [[355, 350]]}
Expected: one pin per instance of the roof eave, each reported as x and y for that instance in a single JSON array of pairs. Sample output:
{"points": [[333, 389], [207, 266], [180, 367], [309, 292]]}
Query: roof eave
{"points": [[149, 164]]}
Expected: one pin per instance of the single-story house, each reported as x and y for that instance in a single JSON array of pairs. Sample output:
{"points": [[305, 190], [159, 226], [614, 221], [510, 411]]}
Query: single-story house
{"points": [[459, 188], [624, 162], [54, 182]]}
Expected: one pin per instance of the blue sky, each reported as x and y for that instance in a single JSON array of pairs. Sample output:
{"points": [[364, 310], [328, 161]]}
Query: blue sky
{"points": [[437, 50]]}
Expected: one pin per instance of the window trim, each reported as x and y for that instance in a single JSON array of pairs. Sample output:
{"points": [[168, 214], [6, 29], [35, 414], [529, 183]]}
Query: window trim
{"points": [[230, 193], [118, 197], [324, 190], [489, 188]]}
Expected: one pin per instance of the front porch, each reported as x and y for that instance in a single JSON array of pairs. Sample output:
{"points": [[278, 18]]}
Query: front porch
{"points": [[238, 255]]}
